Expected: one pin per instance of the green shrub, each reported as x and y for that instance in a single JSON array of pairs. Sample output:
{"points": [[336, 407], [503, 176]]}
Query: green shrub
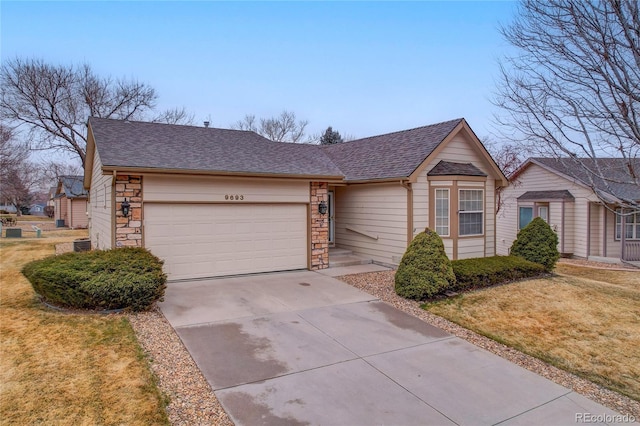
{"points": [[488, 271], [537, 243], [425, 269], [112, 279]]}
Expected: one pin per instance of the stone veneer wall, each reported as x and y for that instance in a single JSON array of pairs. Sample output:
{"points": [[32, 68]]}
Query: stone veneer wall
{"points": [[319, 227], [129, 229]]}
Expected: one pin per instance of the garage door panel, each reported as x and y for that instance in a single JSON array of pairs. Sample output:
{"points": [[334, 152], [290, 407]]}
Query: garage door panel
{"points": [[202, 240]]}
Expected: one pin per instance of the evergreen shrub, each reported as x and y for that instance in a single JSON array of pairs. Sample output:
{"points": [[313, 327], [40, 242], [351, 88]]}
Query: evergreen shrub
{"points": [[537, 243], [487, 271], [425, 269], [123, 278]]}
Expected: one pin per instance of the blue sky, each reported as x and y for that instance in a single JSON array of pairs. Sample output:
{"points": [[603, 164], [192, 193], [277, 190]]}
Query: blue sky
{"points": [[364, 68]]}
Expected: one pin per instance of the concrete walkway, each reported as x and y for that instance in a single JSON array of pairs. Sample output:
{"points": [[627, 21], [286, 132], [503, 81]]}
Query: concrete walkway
{"points": [[305, 348]]}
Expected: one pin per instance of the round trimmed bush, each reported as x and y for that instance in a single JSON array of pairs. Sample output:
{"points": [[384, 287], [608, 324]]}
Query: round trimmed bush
{"points": [[537, 243], [425, 269], [123, 278]]}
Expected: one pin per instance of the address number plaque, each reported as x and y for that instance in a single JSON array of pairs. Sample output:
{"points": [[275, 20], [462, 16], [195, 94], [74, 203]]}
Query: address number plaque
{"points": [[234, 197]]}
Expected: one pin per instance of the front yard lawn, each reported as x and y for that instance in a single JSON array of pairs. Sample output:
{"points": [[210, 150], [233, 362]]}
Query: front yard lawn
{"points": [[60, 368], [583, 320]]}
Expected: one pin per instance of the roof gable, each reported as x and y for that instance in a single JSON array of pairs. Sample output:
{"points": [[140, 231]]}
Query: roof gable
{"points": [[71, 187], [617, 185]]}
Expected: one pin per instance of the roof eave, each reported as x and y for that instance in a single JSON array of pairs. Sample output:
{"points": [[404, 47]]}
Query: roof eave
{"points": [[155, 170]]}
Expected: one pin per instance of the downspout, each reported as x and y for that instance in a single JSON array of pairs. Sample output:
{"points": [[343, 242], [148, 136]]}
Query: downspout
{"points": [[604, 236], [407, 185], [562, 226], [113, 209], [588, 229]]}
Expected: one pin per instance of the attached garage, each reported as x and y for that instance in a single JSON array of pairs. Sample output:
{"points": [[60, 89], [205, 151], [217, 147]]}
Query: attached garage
{"points": [[208, 240]]}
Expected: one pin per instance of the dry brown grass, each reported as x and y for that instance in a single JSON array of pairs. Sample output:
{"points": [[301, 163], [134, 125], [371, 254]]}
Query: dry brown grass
{"points": [[590, 327], [58, 368]]}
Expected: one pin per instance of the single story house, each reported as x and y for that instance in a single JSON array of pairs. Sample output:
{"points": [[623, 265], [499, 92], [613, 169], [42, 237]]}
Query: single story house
{"points": [[215, 202], [581, 208], [70, 202], [37, 209]]}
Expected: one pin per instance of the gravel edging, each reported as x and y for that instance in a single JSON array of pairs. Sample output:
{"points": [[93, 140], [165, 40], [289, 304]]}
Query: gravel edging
{"points": [[381, 285], [191, 399]]}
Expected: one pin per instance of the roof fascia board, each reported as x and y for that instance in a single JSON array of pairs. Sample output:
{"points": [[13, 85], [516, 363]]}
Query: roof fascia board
{"points": [[154, 171]]}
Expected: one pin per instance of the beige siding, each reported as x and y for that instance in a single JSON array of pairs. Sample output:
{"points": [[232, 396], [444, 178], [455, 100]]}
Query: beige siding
{"points": [[470, 247], [377, 210], [574, 224], [78, 213], [100, 207], [420, 205], [614, 248], [461, 150], [211, 189], [595, 248]]}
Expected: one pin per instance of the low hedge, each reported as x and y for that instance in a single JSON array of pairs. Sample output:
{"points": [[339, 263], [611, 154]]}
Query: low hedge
{"points": [[488, 271], [124, 278]]}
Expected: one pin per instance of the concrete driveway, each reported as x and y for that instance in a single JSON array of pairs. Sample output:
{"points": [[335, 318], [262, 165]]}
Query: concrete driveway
{"points": [[304, 348]]}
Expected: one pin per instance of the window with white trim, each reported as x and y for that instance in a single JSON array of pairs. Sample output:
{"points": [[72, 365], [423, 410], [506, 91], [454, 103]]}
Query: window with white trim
{"points": [[470, 213], [442, 212], [525, 216], [631, 225]]}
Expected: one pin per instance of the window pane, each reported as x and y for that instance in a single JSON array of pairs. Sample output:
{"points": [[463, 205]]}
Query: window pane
{"points": [[470, 223], [526, 216], [442, 211], [543, 212], [628, 230], [617, 231], [470, 200]]}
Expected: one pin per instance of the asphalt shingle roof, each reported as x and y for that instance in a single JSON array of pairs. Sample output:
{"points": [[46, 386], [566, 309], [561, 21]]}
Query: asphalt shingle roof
{"points": [[547, 195], [166, 146], [177, 147], [393, 155], [72, 186], [619, 182], [448, 168]]}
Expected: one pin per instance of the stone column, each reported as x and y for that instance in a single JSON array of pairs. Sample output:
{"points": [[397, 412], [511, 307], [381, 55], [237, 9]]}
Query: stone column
{"points": [[319, 227], [129, 229]]}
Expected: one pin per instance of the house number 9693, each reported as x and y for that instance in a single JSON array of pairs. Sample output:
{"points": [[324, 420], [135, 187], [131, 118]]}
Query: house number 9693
{"points": [[234, 197]]}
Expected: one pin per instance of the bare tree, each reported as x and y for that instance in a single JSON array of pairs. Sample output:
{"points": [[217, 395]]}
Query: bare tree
{"points": [[507, 156], [19, 177], [53, 102], [573, 87], [283, 128], [174, 116]]}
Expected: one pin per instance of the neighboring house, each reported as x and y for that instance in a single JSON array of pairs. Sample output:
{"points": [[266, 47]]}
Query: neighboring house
{"points": [[214, 202], [36, 209], [71, 202], [559, 191], [8, 208]]}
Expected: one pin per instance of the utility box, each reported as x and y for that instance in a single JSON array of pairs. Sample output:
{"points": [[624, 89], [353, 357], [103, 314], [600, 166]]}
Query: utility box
{"points": [[59, 223], [14, 232], [83, 244]]}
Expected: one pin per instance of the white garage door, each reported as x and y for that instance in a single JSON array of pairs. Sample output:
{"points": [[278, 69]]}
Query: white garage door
{"points": [[207, 240]]}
